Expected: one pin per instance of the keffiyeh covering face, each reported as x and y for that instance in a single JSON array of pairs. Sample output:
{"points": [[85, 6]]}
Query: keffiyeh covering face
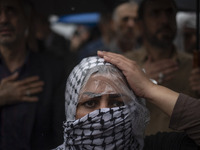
{"points": [[119, 127]]}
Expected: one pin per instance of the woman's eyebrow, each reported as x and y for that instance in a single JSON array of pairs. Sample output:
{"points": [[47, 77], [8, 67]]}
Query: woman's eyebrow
{"points": [[116, 95], [92, 95]]}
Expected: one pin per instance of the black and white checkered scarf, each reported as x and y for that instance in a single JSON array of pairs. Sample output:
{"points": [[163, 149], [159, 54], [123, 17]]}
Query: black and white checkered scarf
{"points": [[118, 128]]}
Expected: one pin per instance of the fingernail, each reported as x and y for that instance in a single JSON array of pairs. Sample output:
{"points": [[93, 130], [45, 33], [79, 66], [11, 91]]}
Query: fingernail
{"points": [[106, 58], [99, 52]]}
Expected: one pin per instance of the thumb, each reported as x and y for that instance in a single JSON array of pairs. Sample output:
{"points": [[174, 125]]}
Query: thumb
{"points": [[11, 77]]}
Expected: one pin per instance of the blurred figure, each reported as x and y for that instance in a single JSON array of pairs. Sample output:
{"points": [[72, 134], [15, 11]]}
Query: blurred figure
{"points": [[186, 33], [159, 57], [126, 31], [31, 93], [51, 43], [119, 32], [48, 40], [107, 34], [82, 36]]}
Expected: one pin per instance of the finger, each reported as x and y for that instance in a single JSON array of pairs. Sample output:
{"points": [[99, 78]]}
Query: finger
{"points": [[29, 99], [169, 71], [195, 87], [100, 53], [194, 82], [168, 77], [35, 90], [110, 54], [194, 78], [35, 84], [28, 80], [10, 78], [164, 65], [195, 71], [115, 57], [120, 63], [153, 69]]}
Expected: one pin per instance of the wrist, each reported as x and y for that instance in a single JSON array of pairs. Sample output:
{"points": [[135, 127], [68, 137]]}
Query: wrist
{"points": [[151, 91]]}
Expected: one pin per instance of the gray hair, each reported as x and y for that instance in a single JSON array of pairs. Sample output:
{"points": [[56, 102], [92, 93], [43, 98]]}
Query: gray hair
{"points": [[116, 10]]}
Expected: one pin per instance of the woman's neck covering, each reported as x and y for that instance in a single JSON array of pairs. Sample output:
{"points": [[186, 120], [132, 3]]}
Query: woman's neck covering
{"points": [[107, 128]]}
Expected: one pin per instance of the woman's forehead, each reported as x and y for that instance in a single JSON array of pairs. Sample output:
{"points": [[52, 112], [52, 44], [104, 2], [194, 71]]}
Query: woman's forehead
{"points": [[100, 83]]}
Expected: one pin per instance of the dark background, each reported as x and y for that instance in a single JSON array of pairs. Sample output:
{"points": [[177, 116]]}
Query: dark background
{"points": [[63, 7]]}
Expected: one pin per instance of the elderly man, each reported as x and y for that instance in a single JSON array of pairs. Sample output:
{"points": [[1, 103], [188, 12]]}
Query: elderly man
{"points": [[124, 22], [31, 111], [119, 31], [160, 58]]}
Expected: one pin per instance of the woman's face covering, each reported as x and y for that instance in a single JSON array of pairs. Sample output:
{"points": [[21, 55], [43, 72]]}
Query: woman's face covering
{"points": [[99, 92]]}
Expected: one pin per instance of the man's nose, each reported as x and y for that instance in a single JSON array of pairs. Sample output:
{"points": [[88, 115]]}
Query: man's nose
{"points": [[131, 22], [164, 18]]}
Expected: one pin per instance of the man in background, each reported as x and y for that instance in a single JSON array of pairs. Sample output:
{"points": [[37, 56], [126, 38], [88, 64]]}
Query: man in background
{"points": [[159, 57], [31, 93], [126, 31], [119, 31]]}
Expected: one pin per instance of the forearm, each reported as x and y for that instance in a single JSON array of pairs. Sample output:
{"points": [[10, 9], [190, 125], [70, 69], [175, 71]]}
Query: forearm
{"points": [[162, 97]]}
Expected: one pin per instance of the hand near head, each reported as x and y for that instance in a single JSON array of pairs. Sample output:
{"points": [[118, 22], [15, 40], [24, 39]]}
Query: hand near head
{"points": [[13, 90], [136, 78], [163, 97]]}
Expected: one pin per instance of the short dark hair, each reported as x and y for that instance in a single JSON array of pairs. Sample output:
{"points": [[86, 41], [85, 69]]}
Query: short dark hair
{"points": [[27, 7], [142, 6]]}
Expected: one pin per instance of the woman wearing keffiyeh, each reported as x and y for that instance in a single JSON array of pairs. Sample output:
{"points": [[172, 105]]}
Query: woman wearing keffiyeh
{"points": [[102, 112]]}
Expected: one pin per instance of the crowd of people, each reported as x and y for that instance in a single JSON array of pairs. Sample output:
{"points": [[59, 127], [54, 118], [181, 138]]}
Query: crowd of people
{"points": [[129, 87]]}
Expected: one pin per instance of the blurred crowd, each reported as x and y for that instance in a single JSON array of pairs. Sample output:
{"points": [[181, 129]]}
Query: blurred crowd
{"points": [[35, 62]]}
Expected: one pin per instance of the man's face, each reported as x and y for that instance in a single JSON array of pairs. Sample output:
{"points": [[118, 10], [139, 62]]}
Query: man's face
{"points": [[124, 21], [159, 22], [12, 22]]}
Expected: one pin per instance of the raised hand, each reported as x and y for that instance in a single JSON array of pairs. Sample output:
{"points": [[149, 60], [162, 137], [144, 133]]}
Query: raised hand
{"points": [[136, 78], [13, 90], [162, 97], [162, 70]]}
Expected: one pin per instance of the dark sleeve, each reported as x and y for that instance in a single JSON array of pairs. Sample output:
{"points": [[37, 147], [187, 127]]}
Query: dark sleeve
{"points": [[185, 117], [169, 141]]}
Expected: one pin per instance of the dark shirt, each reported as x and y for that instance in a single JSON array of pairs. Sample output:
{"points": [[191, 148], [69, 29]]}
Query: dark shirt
{"points": [[169, 141], [92, 48], [36, 125]]}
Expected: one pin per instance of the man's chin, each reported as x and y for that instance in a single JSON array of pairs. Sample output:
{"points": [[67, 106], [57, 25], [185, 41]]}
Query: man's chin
{"points": [[6, 41], [162, 43]]}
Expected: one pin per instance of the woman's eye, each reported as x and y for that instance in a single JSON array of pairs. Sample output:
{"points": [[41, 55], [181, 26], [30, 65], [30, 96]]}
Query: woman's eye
{"points": [[117, 103], [90, 104]]}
